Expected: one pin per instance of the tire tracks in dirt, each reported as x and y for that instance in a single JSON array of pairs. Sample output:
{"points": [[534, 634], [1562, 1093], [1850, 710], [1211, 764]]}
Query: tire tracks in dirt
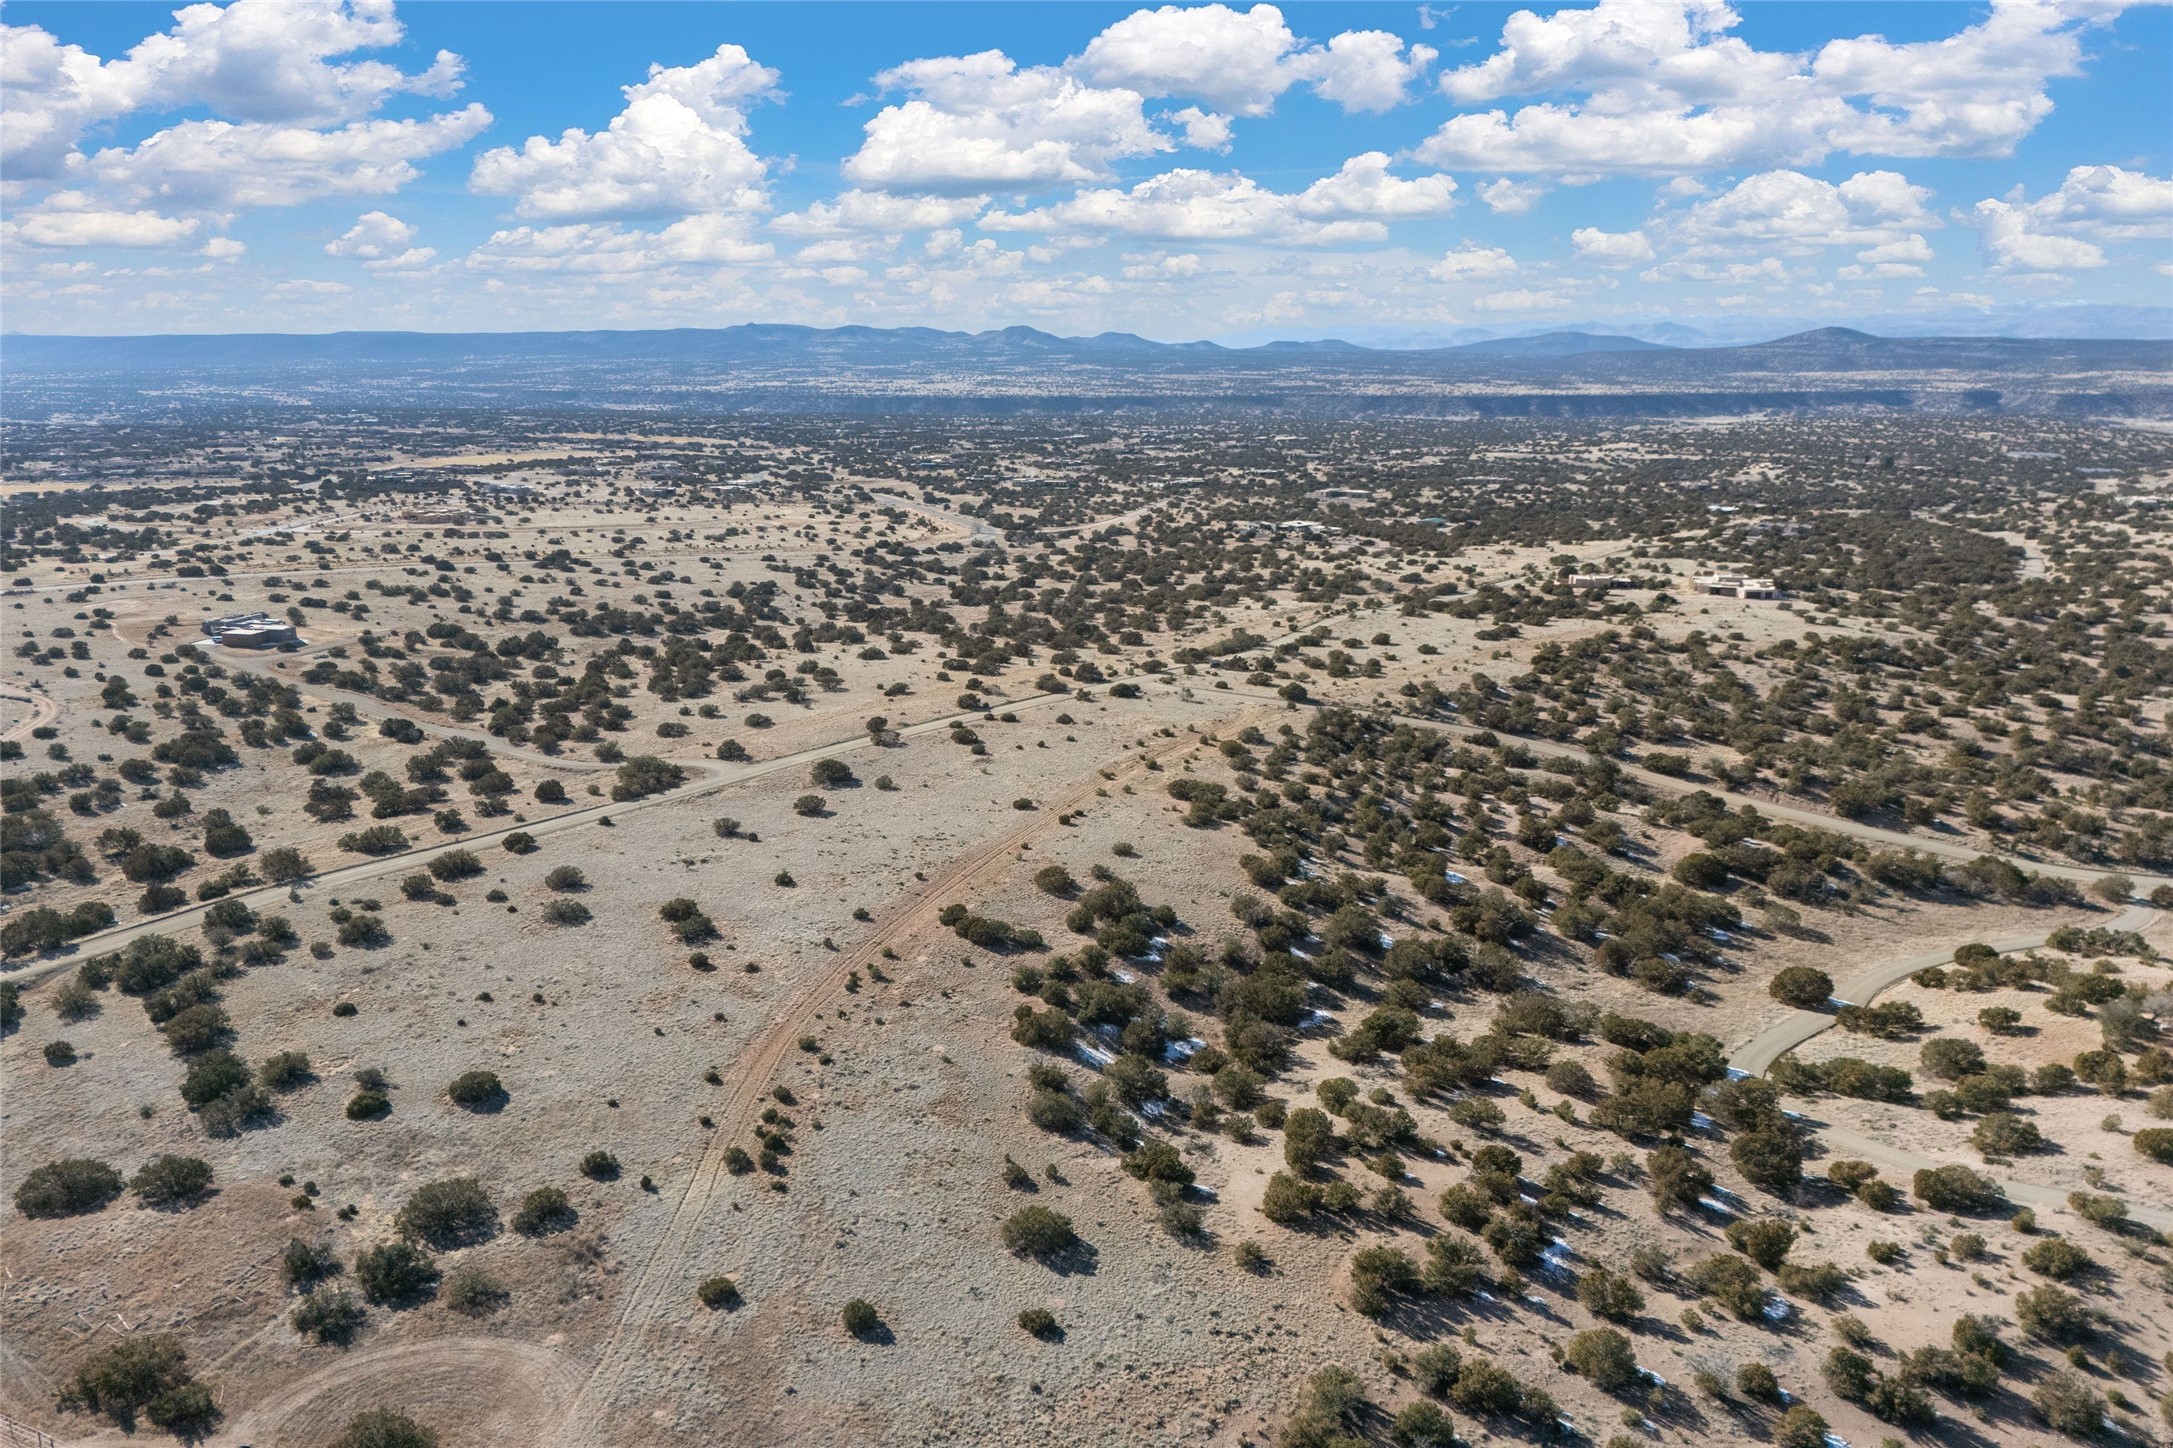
{"points": [[525, 1383], [664, 1273], [43, 710]]}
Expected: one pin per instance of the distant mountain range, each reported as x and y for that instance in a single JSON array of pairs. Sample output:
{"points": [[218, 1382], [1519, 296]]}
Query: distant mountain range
{"points": [[776, 367]]}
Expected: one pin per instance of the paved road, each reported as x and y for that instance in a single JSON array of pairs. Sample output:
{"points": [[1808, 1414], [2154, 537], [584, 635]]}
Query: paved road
{"points": [[1756, 1056], [709, 779], [1943, 846]]}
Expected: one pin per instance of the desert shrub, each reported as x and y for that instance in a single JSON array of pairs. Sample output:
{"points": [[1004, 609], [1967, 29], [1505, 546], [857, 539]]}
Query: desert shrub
{"points": [[1334, 1399], [1770, 1159], [1571, 1079], [2002, 1133], [167, 1179], [2155, 1142], [376, 840], [455, 865], [476, 1090], [385, 1428], [395, 1272], [363, 929], [67, 1188], [211, 1076], [1055, 880], [1802, 986], [284, 865], [1754, 1380], [1288, 1199], [1434, 1368], [368, 1105], [860, 1317], [448, 1213], [1820, 1280], [1038, 1322], [235, 1112], [328, 1314], [195, 1029], [1949, 1058], [718, 1292], [520, 842], [1675, 1178], [1955, 1189], [1731, 1281], [1800, 1427], [1039, 1232], [600, 1166], [2052, 1314], [1158, 1161], [284, 1071], [1421, 1424], [2069, 1404], [2057, 1258], [1765, 1240], [565, 877], [304, 1263], [1608, 1294], [1602, 1356], [543, 1210], [644, 775], [1483, 1386], [472, 1291], [143, 1376], [566, 912], [1377, 1274]]}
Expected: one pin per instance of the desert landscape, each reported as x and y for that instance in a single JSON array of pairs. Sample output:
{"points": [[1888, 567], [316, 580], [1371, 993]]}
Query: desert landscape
{"points": [[1132, 949]]}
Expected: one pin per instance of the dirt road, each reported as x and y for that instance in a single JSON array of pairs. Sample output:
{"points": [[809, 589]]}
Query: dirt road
{"points": [[663, 1287], [709, 779]]}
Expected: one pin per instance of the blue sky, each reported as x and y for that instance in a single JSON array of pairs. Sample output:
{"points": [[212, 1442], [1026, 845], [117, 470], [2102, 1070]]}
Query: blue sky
{"points": [[1384, 172]]}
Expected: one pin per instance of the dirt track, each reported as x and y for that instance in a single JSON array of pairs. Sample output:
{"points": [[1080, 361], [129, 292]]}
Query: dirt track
{"points": [[665, 1277]]}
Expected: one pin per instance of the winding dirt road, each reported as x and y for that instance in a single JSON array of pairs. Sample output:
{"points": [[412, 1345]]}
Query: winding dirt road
{"points": [[663, 1288], [39, 704]]}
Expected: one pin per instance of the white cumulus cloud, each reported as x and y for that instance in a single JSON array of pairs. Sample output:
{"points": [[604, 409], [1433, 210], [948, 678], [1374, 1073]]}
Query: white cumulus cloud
{"points": [[253, 60], [678, 147], [1240, 61], [1474, 263], [1611, 248], [1662, 85], [1355, 204], [221, 165], [73, 219], [1511, 198], [2069, 228], [974, 122], [877, 211]]}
